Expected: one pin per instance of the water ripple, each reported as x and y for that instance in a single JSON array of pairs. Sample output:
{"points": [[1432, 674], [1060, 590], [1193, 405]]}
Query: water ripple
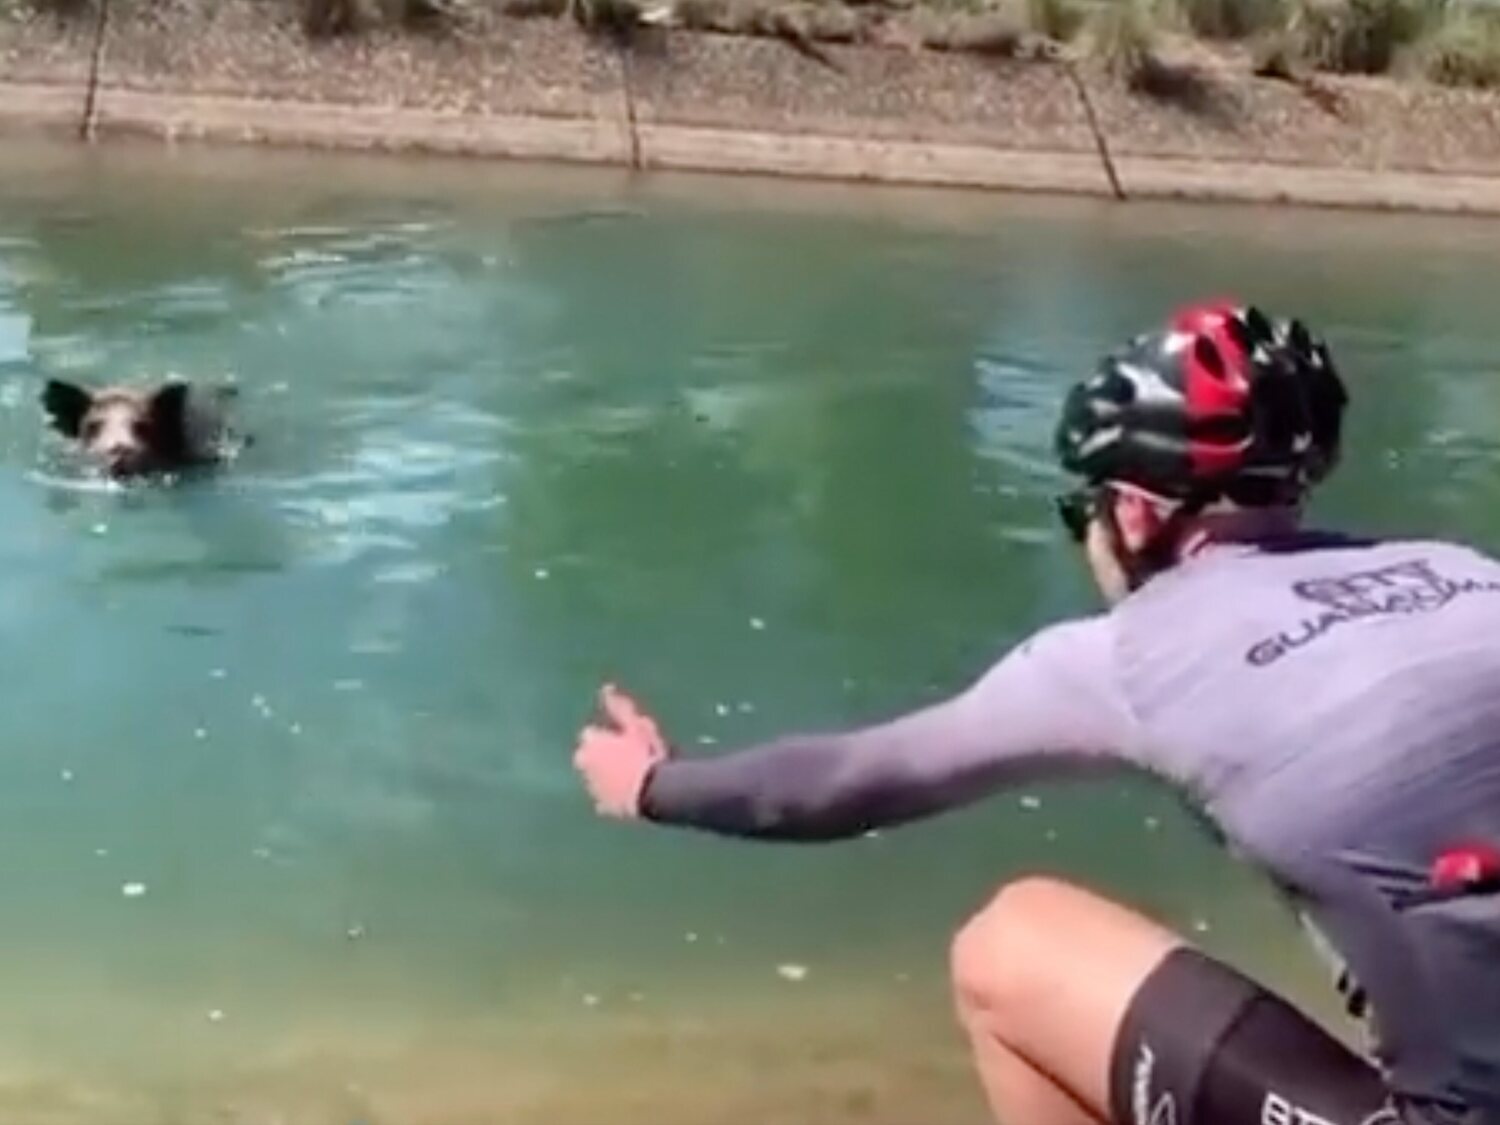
{"points": [[401, 479], [1012, 422]]}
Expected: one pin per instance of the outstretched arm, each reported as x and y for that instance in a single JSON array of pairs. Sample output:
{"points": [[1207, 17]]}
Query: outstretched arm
{"points": [[1048, 706]]}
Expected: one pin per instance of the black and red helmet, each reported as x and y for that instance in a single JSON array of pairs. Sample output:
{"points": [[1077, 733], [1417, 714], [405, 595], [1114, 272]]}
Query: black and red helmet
{"points": [[1224, 402]]}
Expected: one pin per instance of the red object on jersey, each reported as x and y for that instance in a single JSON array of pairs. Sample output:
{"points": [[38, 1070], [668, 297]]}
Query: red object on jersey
{"points": [[1466, 865]]}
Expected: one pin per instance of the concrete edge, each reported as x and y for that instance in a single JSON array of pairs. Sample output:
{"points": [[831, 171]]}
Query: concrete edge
{"points": [[658, 145]]}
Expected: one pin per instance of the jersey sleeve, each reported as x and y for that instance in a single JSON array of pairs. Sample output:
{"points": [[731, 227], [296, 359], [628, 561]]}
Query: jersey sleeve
{"points": [[1050, 705]]}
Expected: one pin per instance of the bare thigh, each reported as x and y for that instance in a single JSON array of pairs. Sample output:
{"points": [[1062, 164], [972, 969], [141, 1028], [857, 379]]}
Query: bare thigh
{"points": [[1050, 970]]}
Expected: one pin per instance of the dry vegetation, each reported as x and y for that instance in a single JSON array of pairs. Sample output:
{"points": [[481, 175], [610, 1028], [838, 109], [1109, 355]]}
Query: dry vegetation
{"points": [[1148, 42]]}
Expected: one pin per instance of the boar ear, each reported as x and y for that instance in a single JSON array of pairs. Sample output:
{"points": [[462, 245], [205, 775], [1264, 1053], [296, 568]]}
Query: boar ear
{"points": [[66, 404], [168, 409]]}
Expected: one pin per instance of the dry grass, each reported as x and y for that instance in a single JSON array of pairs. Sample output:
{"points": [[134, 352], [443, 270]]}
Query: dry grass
{"points": [[1357, 36], [1123, 35], [64, 9], [1451, 42], [1233, 19], [1456, 42], [328, 18], [1465, 51], [1058, 20], [529, 9], [1002, 32]]}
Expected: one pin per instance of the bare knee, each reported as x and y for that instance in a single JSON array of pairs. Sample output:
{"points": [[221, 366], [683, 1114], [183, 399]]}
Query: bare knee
{"points": [[997, 958], [1042, 945]]}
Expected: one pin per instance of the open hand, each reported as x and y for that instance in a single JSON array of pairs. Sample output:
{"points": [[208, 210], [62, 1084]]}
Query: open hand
{"points": [[615, 757]]}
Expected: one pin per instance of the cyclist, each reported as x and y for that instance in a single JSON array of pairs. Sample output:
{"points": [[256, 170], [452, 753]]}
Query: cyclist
{"points": [[1331, 703]]}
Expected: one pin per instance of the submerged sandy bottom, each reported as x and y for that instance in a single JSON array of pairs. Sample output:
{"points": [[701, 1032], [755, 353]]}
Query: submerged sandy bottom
{"points": [[891, 1058], [828, 1043]]}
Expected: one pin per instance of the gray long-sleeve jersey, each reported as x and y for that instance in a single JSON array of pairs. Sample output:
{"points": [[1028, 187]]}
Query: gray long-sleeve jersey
{"points": [[1332, 705]]}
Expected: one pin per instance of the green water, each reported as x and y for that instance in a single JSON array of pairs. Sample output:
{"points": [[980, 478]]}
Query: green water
{"points": [[773, 456]]}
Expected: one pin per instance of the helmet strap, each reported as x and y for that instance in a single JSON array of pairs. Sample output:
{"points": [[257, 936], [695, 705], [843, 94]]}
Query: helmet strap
{"points": [[1159, 552]]}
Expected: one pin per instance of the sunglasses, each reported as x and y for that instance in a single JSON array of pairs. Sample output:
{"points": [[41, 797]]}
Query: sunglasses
{"points": [[1076, 509]]}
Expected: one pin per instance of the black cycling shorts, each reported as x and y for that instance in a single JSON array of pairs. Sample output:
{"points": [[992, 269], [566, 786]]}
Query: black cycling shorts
{"points": [[1203, 1045]]}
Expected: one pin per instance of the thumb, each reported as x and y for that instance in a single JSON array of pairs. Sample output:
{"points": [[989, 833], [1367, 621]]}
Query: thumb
{"points": [[620, 708]]}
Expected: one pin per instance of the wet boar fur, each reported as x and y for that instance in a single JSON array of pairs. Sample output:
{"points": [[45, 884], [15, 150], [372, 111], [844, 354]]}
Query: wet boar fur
{"points": [[133, 432]]}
